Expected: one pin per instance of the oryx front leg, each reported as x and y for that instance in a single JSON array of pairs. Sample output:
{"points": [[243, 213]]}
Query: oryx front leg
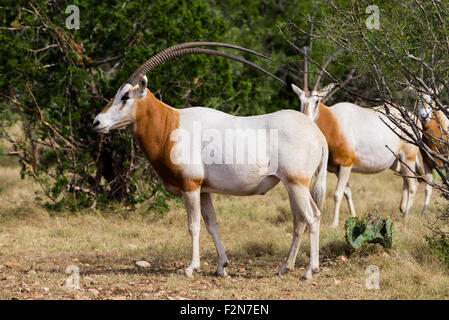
{"points": [[208, 212], [193, 207], [343, 177]]}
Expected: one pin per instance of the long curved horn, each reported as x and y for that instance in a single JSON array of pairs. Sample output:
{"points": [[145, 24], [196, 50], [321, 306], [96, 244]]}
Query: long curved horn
{"points": [[306, 72], [320, 75], [162, 57], [213, 44], [136, 75]]}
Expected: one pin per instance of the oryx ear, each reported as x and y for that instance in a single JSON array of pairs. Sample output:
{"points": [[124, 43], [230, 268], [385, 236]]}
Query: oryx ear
{"points": [[428, 98], [142, 90], [297, 90], [326, 90]]}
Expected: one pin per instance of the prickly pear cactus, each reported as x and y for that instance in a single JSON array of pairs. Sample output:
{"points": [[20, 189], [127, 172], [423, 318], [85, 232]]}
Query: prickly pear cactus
{"points": [[369, 229]]}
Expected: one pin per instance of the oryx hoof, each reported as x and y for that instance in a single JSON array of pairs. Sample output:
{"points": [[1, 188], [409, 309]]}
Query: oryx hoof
{"points": [[189, 272], [283, 270], [220, 273], [309, 273]]}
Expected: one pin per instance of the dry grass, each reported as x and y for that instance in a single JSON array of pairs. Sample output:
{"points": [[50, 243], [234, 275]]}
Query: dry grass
{"points": [[37, 246]]}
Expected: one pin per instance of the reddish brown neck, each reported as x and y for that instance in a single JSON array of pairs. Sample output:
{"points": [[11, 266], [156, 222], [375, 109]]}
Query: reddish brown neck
{"points": [[325, 118], [340, 152], [434, 132], [155, 122]]}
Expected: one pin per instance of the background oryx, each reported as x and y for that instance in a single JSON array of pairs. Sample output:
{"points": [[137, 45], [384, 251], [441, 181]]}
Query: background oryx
{"points": [[435, 126], [299, 151], [359, 141]]}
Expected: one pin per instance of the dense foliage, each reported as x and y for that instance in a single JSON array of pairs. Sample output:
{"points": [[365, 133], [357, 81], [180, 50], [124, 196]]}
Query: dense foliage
{"points": [[53, 80]]}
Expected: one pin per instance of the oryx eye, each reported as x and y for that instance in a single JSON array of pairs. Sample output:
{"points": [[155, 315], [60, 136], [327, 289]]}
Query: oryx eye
{"points": [[125, 96]]}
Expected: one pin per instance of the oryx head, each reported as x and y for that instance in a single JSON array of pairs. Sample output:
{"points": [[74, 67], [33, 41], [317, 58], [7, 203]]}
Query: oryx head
{"points": [[310, 100], [121, 111], [426, 103]]}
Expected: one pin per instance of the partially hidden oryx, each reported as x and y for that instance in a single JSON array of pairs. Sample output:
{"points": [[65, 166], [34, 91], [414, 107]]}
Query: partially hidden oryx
{"points": [[359, 141], [291, 146], [435, 129]]}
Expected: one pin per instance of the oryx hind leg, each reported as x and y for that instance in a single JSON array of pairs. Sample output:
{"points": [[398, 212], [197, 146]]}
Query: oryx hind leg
{"points": [[298, 229], [428, 174], [399, 167], [305, 212], [348, 195], [412, 190], [342, 185], [404, 198], [208, 212], [410, 185]]}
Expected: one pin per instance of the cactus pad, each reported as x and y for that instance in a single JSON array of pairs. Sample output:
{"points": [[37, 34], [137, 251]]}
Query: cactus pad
{"points": [[369, 229]]}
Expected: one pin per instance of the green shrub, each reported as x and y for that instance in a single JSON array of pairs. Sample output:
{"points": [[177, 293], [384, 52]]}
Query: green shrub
{"points": [[438, 241], [55, 81], [439, 245]]}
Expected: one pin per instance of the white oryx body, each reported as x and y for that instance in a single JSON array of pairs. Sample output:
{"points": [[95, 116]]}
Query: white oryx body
{"points": [[372, 157], [166, 135], [360, 141], [248, 178]]}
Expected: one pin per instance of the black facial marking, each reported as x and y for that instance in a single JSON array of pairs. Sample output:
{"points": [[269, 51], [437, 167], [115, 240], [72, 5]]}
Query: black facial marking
{"points": [[125, 96]]}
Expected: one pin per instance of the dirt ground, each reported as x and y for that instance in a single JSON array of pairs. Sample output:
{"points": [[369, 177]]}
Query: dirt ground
{"points": [[41, 251]]}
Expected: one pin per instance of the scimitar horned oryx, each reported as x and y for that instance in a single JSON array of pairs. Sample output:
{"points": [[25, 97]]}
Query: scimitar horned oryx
{"points": [[435, 135], [359, 140], [292, 148]]}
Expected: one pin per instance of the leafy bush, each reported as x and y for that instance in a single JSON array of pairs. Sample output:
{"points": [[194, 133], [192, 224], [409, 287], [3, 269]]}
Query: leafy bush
{"points": [[439, 245], [58, 79], [54, 80], [438, 241]]}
